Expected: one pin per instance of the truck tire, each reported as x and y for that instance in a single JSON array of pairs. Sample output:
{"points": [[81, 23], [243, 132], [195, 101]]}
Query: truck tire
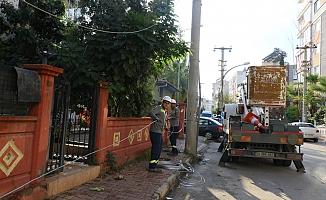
{"points": [[235, 158], [278, 162], [287, 163]]}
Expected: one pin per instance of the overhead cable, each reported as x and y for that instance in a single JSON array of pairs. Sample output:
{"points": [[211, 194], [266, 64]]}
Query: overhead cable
{"points": [[85, 27]]}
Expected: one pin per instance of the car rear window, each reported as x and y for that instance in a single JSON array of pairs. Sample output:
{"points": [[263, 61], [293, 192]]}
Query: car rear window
{"points": [[306, 125], [206, 115]]}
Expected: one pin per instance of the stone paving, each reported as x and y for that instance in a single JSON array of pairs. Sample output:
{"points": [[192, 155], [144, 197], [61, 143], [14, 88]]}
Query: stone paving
{"points": [[137, 182]]}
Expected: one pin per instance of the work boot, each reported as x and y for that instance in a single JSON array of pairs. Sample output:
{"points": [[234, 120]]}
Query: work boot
{"points": [[155, 170]]}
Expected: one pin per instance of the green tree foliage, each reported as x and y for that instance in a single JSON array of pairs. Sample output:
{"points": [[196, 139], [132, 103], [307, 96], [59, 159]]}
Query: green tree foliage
{"points": [[29, 35], [125, 43], [292, 92], [320, 115], [312, 97], [317, 86], [227, 99], [170, 73], [291, 114], [320, 85], [316, 90], [128, 59]]}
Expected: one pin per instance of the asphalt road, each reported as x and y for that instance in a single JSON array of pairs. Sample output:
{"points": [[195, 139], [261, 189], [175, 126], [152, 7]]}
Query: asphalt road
{"points": [[255, 178]]}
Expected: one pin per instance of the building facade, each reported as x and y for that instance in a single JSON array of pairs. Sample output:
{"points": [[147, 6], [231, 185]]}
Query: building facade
{"points": [[237, 78], [216, 92], [311, 25]]}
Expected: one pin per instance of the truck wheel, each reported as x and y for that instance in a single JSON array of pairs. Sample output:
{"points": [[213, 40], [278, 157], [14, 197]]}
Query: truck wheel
{"points": [[286, 163], [208, 135], [278, 162], [235, 158]]}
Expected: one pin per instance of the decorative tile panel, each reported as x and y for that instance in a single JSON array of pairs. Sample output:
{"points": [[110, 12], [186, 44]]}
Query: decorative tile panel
{"points": [[10, 155], [139, 135], [146, 134], [116, 139], [131, 136]]}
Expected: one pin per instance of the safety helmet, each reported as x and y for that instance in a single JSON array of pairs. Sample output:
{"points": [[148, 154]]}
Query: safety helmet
{"points": [[173, 101], [167, 98]]}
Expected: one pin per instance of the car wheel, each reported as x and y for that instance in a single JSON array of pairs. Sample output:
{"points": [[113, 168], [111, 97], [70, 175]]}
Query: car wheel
{"points": [[315, 139], [209, 135], [286, 163]]}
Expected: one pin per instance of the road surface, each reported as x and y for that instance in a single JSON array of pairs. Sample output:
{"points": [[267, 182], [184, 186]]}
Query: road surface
{"points": [[252, 178]]}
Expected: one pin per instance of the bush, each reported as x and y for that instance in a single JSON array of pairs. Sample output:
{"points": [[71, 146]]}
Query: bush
{"points": [[320, 115], [292, 114]]}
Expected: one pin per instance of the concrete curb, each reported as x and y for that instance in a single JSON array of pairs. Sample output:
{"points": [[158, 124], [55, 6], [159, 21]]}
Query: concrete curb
{"points": [[170, 182]]}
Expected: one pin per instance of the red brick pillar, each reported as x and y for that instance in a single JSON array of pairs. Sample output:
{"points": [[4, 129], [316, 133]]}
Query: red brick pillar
{"points": [[102, 118], [42, 110], [182, 108]]}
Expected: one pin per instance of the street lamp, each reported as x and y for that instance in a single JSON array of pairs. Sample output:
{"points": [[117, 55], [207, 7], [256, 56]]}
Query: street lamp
{"points": [[222, 82]]}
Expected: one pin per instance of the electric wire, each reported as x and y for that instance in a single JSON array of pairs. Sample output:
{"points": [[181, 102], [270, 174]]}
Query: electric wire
{"points": [[181, 168], [190, 184], [71, 162], [85, 27]]}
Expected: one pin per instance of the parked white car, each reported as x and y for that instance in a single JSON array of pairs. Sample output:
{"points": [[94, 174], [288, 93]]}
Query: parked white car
{"points": [[309, 130]]}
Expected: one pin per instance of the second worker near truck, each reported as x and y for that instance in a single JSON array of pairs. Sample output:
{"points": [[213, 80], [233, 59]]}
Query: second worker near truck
{"points": [[174, 126]]}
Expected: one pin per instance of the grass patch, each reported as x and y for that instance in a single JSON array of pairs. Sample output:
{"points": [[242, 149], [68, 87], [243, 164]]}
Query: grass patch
{"points": [[144, 157]]}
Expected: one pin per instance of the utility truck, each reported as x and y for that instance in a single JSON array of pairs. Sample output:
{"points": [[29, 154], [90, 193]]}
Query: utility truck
{"points": [[249, 130]]}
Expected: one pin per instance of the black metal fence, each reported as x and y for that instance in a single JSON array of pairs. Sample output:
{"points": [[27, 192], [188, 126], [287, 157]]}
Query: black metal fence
{"points": [[11, 89], [73, 125]]}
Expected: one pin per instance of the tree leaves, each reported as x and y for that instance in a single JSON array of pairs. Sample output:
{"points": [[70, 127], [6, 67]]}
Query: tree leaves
{"points": [[129, 62]]}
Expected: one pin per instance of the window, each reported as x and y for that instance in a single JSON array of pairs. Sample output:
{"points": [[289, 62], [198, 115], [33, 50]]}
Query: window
{"points": [[306, 125], [295, 75], [317, 50], [316, 5], [317, 70], [203, 122], [317, 26]]}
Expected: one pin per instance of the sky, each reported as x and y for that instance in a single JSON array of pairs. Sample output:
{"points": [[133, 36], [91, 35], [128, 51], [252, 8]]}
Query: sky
{"points": [[253, 28]]}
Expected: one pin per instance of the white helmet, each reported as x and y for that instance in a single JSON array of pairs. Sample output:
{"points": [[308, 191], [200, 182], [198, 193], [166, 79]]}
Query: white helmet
{"points": [[167, 98], [173, 101]]}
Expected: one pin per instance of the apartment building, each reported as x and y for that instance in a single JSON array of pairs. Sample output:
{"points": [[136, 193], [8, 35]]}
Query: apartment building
{"points": [[14, 2], [237, 78], [311, 25], [216, 91], [275, 58]]}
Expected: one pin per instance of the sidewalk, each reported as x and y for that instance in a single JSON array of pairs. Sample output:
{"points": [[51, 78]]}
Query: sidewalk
{"points": [[137, 182]]}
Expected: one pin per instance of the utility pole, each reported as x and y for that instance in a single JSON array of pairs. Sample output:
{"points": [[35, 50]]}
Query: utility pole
{"points": [[192, 117], [222, 76], [305, 64]]}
